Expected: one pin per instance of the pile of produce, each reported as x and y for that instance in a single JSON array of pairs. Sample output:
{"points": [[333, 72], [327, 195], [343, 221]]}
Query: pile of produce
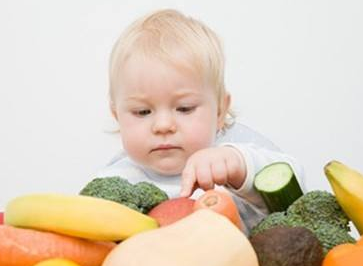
{"points": [[314, 228], [69, 230], [79, 228], [113, 222], [317, 211]]}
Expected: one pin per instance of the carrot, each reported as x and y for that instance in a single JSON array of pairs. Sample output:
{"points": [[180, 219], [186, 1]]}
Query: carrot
{"points": [[26, 247], [221, 203]]}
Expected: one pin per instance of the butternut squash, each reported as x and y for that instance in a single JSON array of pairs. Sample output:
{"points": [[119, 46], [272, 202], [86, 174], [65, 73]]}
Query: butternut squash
{"points": [[201, 238]]}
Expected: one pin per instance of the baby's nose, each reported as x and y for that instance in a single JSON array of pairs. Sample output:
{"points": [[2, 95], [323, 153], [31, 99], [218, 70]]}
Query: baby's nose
{"points": [[164, 123]]}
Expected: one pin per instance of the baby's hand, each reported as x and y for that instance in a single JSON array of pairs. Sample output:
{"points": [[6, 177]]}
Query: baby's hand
{"points": [[207, 167]]}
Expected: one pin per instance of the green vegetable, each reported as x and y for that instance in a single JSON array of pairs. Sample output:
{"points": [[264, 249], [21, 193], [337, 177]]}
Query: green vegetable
{"points": [[319, 206], [141, 197], [330, 235], [273, 220], [278, 186], [317, 211], [149, 195]]}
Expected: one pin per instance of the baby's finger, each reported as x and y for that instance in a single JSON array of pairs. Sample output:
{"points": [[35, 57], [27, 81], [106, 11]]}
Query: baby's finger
{"points": [[235, 172], [188, 181], [204, 176], [219, 172]]}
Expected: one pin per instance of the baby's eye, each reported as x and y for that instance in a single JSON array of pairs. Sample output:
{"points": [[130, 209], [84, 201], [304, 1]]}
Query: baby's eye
{"points": [[185, 109], [142, 112]]}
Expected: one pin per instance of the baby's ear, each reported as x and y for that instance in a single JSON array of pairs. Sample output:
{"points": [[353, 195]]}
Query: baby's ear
{"points": [[113, 109], [223, 110]]}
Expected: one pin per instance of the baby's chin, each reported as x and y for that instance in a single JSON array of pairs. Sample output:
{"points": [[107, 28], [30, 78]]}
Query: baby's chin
{"points": [[167, 173], [168, 170]]}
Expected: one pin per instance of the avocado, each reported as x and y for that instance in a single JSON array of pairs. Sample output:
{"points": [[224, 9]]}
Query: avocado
{"points": [[287, 246]]}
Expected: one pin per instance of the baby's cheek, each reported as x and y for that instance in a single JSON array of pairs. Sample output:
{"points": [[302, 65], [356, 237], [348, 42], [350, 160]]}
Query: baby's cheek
{"points": [[202, 130], [133, 144], [201, 139]]}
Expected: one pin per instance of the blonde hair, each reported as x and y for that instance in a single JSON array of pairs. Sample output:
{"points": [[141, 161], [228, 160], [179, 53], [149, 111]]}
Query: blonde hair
{"points": [[174, 38]]}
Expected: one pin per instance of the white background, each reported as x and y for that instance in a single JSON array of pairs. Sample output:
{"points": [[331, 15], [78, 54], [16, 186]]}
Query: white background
{"points": [[294, 69]]}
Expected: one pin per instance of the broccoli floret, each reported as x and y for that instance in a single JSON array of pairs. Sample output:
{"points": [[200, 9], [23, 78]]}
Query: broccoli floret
{"points": [[317, 211], [319, 206], [273, 220], [330, 235], [141, 197], [113, 188], [149, 195]]}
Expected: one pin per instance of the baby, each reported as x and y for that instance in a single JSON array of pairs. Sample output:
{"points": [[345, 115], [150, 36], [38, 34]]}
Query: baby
{"points": [[168, 96]]}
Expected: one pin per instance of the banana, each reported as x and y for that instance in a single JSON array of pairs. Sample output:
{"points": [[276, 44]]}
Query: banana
{"points": [[79, 216], [347, 185]]}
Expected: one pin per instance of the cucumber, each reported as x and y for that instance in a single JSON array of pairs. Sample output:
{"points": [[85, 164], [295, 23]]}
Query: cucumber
{"points": [[278, 186]]}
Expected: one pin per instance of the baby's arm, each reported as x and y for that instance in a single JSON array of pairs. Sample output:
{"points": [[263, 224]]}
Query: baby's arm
{"points": [[256, 157], [233, 165]]}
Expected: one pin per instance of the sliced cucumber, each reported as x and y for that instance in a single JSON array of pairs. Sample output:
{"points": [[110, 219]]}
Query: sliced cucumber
{"points": [[278, 186]]}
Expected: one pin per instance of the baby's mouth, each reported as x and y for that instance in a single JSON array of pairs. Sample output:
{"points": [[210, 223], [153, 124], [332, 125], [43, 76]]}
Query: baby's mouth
{"points": [[165, 147]]}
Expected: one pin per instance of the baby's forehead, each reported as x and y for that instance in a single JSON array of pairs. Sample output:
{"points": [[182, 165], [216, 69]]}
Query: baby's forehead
{"points": [[140, 79], [178, 59], [137, 67]]}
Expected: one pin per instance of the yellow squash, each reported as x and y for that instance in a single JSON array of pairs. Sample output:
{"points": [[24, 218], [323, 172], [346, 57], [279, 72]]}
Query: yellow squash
{"points": [[347, 185], [202, 238], [80, 216]]}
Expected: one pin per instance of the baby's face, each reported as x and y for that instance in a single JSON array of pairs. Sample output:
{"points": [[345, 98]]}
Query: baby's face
{"points": [[164, 114]]}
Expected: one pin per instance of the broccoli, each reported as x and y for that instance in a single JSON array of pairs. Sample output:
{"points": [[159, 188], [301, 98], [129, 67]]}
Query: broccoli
{"points": [[330, 235], [275, 219], [317, 211], [140, 197], [319, 206], [149, 195], [112, 188]]}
